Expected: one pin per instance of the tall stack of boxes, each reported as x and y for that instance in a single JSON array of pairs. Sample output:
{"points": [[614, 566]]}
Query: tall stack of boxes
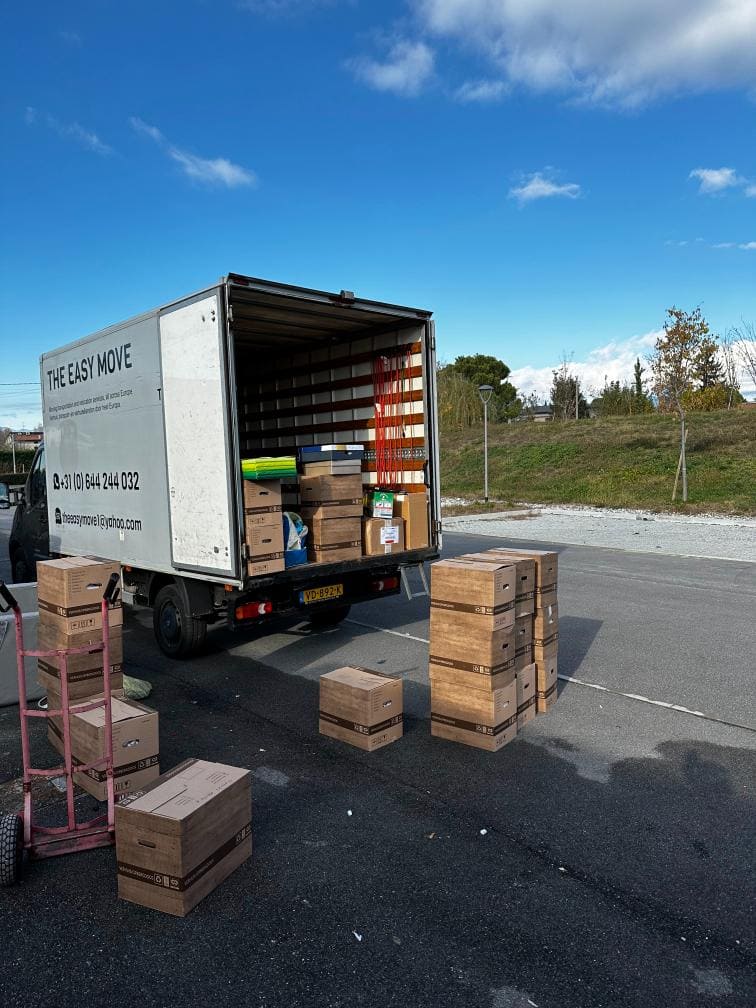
{"points": [[263, 527], [70, 593], [472, 659]]}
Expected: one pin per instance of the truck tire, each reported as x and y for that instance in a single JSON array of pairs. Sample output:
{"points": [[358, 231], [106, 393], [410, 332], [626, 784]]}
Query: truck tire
{"points": [[178, 634], [11, 849], [329, 617], [20, 571]]}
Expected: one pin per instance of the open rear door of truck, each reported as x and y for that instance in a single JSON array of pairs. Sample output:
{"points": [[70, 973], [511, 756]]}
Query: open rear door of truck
{"points": [[194, 364]]}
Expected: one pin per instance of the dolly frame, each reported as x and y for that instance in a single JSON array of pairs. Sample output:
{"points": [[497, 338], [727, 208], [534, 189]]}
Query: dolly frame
{"points": [[25, 834]]}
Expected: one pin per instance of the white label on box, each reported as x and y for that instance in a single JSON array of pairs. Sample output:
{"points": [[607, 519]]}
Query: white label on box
{"points": [[389, 535]]}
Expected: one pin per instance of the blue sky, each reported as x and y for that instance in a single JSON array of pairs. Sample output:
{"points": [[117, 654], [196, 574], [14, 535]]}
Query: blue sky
{"points": [[544, 177]]}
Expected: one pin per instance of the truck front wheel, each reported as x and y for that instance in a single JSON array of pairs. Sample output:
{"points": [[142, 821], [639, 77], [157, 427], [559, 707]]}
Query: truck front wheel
{"points": [[178, 633]]}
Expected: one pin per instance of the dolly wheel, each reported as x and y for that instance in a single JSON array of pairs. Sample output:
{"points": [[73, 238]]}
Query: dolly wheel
{"points": [[11, 849]]}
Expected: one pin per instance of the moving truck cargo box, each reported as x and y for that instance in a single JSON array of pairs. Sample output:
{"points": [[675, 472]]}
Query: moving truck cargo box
{"points": [[477, 596], [452, 638], [85, 677], [476, 718], [413, 509], [361, 707], [177, 839], [526, 696], [383, 536], [69, 594], [136, 745]]}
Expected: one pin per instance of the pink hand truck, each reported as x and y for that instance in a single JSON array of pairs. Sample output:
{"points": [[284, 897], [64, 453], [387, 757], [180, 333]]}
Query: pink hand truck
{"points": [[20, 832]]}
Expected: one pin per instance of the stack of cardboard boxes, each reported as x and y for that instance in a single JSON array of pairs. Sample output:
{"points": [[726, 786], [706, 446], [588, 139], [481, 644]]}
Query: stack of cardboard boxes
{"points": [[332, 510], [472, 652], [263, 527], [70, 592]]}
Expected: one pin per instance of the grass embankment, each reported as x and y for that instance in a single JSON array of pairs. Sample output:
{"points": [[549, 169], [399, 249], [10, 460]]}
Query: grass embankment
{"points": [[617, 462]]}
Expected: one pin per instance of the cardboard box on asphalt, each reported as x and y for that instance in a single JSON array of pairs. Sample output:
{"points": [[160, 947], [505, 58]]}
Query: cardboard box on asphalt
{"points": [[334, 531], [136, 744], [544, 599], [546, 564], [546, 663], [265, 547], [450, 638], [383, 536], [459, 673], [413, 509], [526, 696], [545, 623], [361, 707], [476, 595], [523, 632], [523, 657], [180, 837], [85, 670], [69, 594], [474, 717], [262, 503], [524, 573], [330, 497]]}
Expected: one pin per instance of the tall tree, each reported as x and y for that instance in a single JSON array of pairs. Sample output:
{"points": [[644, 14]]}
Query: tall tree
{"points": [[707, 368], [638, 372], [745, 348], [483, 369], [730, 364], [672, 365], [566, 397]]}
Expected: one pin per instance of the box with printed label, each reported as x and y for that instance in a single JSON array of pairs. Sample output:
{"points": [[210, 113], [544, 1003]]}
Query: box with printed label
{"points": [[545, 623], [526, 696], [136, 744], [262, 503], [69, 594], [478, 596], [330, 497], [333, 531], [477, 718], [525, 567], [266, 549], [382, 504], [413, 509], [457, 672], [180, 837], [382, 536], [545, 561], [85, 677], [333, 467], [361, 707], [453, 639], [335, 552]]}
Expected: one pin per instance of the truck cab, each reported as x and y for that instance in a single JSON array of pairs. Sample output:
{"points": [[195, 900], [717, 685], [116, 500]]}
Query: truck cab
{"points": [[30, 532]]}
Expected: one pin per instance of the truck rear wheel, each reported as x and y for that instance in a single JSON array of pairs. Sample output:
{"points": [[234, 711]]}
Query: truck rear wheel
{"points": [[178, 633], [329, 617]]}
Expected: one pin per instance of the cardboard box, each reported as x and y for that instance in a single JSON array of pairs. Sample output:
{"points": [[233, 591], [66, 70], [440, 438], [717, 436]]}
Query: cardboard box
{"points": [[546, 659], [330, 496], [545, 598], [447, 670], [523, 632], [261, 568], [546, 564], [84, 671], [413, 509], [69, 594], [478, 596], [335, 552], [262, 503], [332, 531], [545, 623], [177, 839], [476, 718], [382, 504], [333, 467], [526, 696], [523, 657], [523, 600], [382, 536], [452, 638], [361, 707], [136, 744], [266, 549]]}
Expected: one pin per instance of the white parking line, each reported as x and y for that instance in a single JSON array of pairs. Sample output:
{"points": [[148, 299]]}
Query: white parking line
{"points": [[678, 708]]}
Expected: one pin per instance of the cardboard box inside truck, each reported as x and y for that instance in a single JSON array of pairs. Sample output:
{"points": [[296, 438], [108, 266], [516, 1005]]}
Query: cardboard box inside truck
{"points": [[413, 509], [69, 594], [361, 707], [262, 503], [383, 536], [181, 836], [331, 496]]}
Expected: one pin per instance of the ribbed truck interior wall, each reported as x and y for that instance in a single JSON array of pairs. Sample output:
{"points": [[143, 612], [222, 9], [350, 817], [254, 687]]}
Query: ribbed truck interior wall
{"points": [[311, 381]]}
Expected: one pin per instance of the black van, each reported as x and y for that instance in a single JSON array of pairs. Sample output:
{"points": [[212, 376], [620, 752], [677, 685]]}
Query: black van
{"points": [[30, 533]]}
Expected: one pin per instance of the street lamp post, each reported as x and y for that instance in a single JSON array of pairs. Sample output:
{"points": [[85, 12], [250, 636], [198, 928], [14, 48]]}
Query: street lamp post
{"points": [[485, 392]]}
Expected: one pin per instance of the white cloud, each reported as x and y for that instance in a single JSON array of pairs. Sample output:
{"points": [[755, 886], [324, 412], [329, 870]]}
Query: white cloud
{"points": [[213, 171], [30, 115], [481, 91], [750, 190], [723, 245], [406, 70], [540, 186], [750, 246], [73, 131], [604, 51], [612, 362], [72, 37], [712, 180]]}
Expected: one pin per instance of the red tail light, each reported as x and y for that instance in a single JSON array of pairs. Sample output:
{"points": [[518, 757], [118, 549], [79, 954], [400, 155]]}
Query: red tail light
{"points": [[253, 610], [387, 584]]}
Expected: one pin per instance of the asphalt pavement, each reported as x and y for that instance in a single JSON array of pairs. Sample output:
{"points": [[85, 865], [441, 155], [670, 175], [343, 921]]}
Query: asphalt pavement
{"points": [[604, 858]]}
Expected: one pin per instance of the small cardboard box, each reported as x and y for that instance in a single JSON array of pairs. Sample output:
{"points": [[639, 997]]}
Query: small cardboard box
{"points": [[136, 744], [545, 659], [262, 503], [69, 594], [266, 549], [545, 623], [333, 531], [333, 467], [413, 509], [476, 718], [85, 670], [546, 565], [526, 696], [361, 707], [478, 596], [459, 673], [330, 497], [452, 638], [382, 536], [335, 552], [177, 839]]}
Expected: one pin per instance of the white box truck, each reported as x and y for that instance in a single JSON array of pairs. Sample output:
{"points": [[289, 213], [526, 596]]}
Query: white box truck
{"points": [[147, 421]]}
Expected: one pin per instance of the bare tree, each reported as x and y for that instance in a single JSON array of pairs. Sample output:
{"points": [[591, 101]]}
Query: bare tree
{"points": [[727, 351], [745, 348]]}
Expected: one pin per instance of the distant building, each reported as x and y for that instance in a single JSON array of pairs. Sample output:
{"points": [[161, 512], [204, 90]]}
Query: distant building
{"points": [[27, 438], [541, 414]]}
